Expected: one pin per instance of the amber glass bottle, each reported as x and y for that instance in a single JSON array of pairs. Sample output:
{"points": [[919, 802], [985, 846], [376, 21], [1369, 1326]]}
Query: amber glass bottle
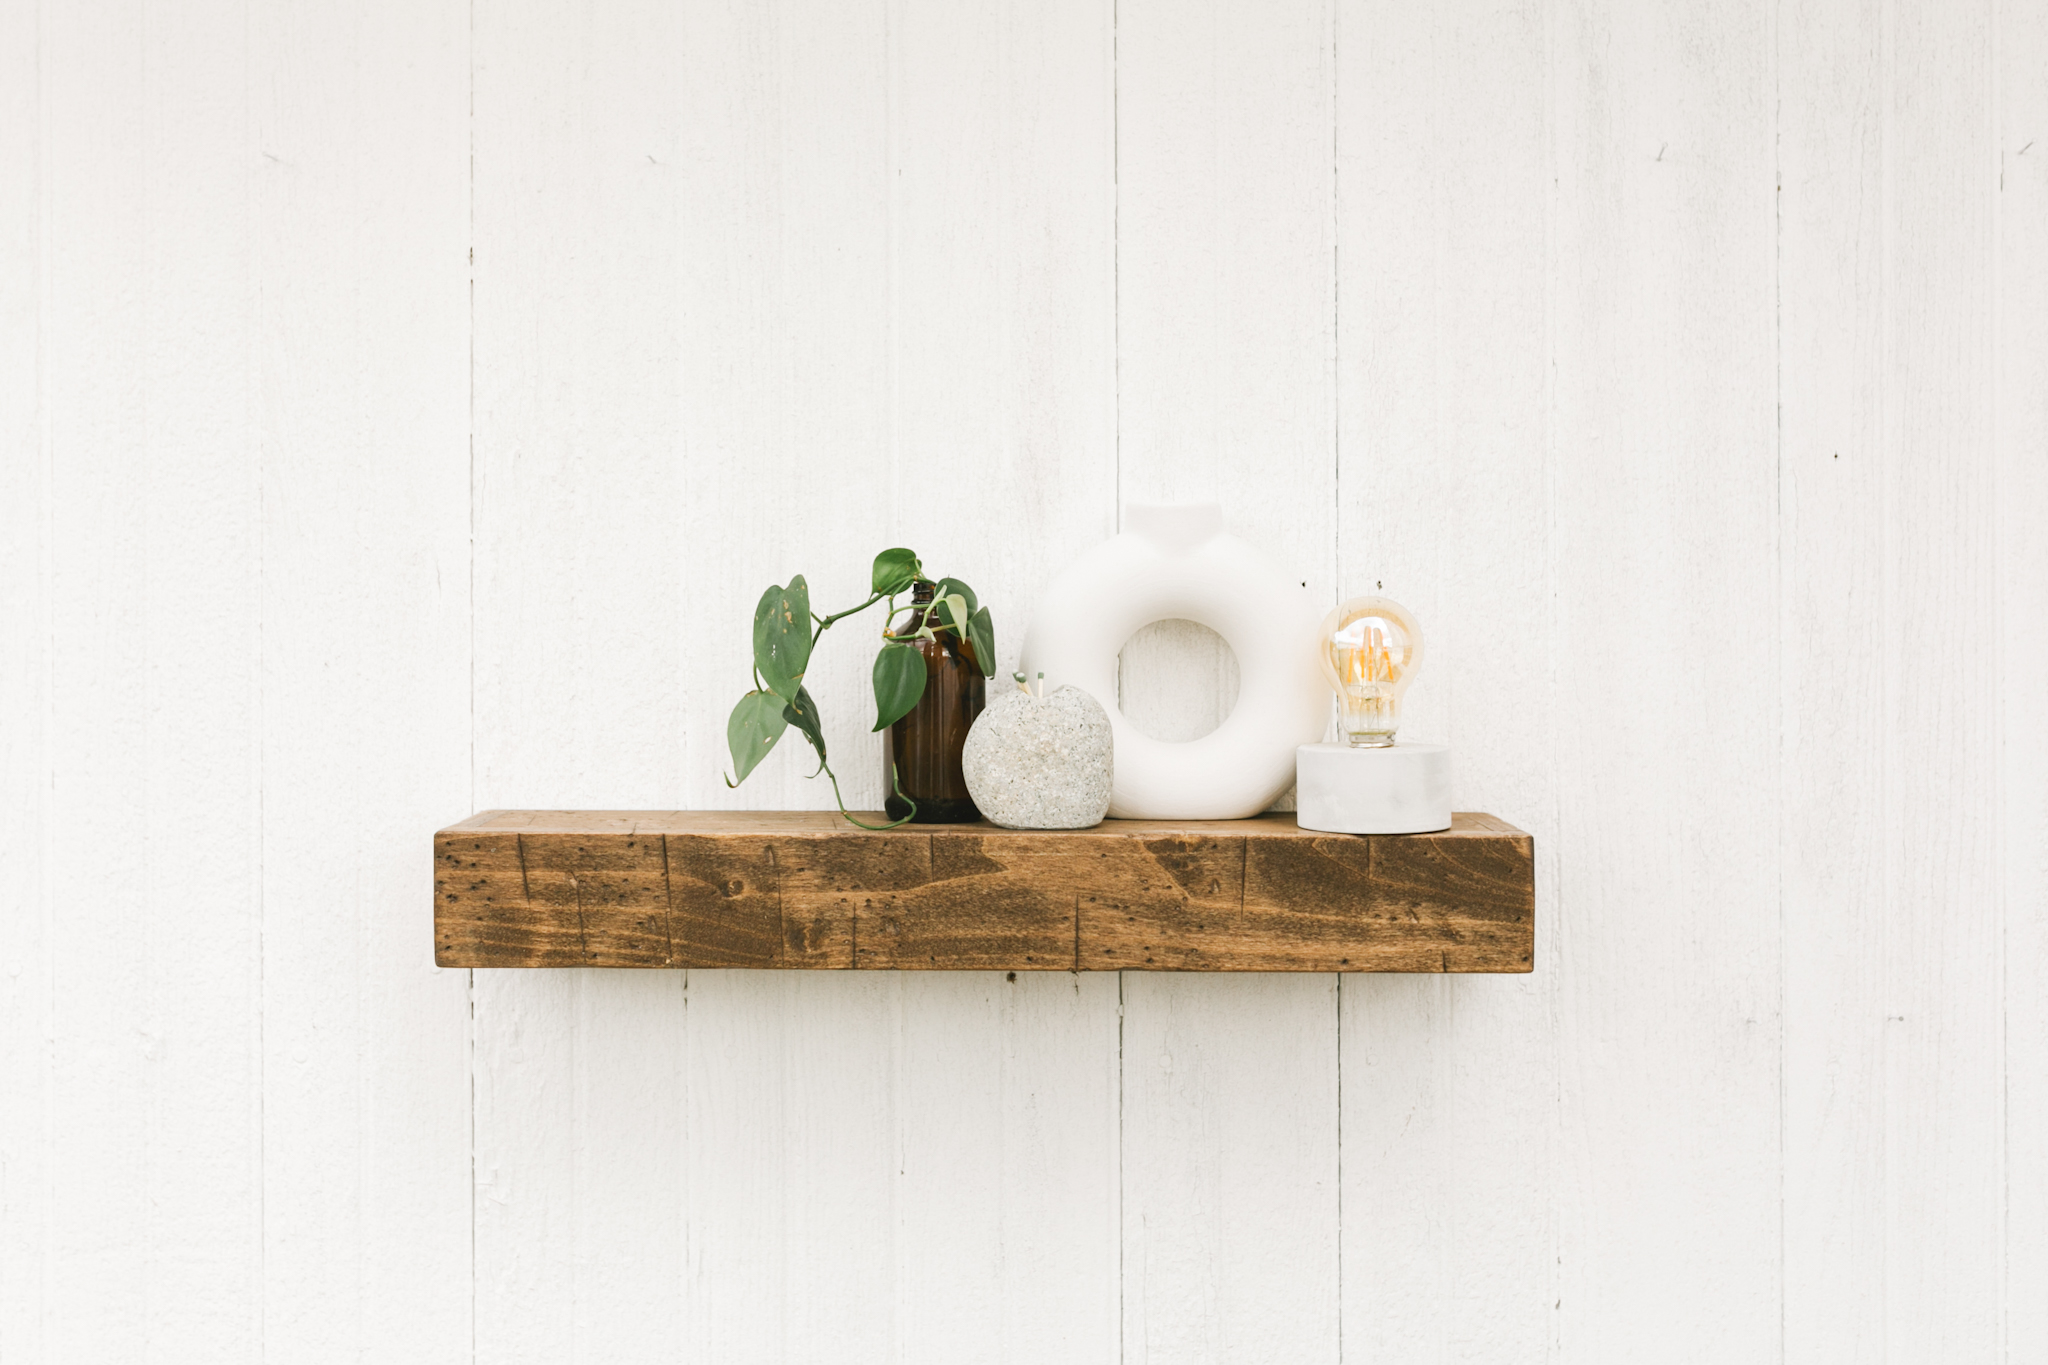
{"points": [[925, 745]]}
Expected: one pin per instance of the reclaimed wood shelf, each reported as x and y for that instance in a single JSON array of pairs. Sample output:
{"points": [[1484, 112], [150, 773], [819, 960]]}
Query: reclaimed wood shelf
{"points": [[807, 890]]}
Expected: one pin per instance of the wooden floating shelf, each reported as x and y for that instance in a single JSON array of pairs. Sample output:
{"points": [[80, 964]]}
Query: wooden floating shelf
{"points": [[522, 888]]}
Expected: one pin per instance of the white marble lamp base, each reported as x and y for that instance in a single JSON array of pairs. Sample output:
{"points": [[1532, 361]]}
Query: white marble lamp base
{"points": [[1402, 789]]}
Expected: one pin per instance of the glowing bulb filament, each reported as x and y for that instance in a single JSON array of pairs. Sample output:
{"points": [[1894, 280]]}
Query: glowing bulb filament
{"points": [[1370, 650]]}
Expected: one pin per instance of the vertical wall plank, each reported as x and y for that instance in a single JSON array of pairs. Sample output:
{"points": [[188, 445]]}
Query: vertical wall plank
{"points": [[911, 343], [1225, 305], [792, 1166], [786, 375], [1007, 1224], [582, 555], [361, 160], [196, 1025], [148, 1106], [99, 1089], [792, 1160], [1002, 411], [1665, 551], [2022, 628], [27, 997], [1836, 646], [1225, 311], [1230, 1168], [1944, 1173], [144, 544], [1002, 293], [1443, 504], [1225, 287]]}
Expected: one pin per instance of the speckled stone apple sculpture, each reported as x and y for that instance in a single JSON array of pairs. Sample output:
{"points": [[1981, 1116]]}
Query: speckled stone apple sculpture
{"points": [[1040, 762]]}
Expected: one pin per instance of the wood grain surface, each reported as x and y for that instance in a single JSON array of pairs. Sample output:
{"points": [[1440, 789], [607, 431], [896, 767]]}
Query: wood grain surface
{"points": [[803, 889]]}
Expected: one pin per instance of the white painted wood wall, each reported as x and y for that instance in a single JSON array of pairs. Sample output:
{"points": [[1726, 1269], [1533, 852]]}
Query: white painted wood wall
{"points": [[403, 402]]}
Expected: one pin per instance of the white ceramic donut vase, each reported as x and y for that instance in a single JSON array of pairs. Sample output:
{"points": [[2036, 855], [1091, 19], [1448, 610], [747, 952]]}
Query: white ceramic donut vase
{"points": [[1176, 563]]}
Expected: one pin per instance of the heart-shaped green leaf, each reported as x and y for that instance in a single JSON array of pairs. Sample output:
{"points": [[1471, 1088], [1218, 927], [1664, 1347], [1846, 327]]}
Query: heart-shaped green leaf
{"points": [[894, 570], [950, 587], [803, 714], [954, 611], [899, 682], [755, 726], [981, 633], [782, 637]]}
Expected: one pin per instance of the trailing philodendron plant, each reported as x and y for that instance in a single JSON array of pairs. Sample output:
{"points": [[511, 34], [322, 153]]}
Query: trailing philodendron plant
{"points": [[786, 631]]}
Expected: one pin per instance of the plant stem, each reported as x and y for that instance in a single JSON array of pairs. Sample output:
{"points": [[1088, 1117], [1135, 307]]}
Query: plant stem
{"points": [[824, 624], [825, 621], [893, 777], [925, 628]]}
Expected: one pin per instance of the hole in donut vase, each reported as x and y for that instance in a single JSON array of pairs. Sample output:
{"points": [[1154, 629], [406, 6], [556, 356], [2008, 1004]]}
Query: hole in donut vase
{"points": [[1176, 681], [925, 745]]}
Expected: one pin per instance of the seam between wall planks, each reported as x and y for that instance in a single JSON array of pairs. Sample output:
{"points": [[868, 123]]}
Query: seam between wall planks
{"points": [[1778, 576], [1552, 661], [470, 255]]}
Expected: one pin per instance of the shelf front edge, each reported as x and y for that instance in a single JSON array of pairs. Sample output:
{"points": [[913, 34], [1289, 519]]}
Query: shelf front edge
{"points": [[782, 890]]}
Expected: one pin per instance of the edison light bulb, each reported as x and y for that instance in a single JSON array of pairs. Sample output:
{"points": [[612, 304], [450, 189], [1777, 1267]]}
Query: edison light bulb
{"points": [[1370, 649]]}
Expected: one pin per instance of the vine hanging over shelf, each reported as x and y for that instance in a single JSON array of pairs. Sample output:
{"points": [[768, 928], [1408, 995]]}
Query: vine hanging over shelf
{"points": [[786, 631]]}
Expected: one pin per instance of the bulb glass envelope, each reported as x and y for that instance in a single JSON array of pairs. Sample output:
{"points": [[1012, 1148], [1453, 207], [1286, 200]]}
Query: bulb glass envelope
{"points": [[1370, 648]]}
